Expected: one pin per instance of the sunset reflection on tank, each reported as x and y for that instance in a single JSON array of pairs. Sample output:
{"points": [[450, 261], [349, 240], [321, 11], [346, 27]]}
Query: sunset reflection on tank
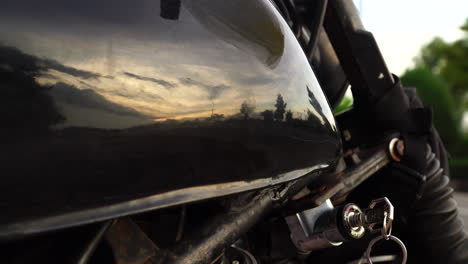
{"points": [[109, 103]]}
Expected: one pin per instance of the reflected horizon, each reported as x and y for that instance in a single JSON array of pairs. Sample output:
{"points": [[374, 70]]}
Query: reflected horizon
{"points": [[108, 101], [138, 78]]}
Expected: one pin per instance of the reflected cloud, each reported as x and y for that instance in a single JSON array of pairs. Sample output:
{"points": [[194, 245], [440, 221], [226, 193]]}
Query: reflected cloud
{"points": [[42, 94], [213, 90], [143, 68], [87, 98], [54, 65], [119, 93], [26, 106], [13, 58], [163, 83], [258, 79]]}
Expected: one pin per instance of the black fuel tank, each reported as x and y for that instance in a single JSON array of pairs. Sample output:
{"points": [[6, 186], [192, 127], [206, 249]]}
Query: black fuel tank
{"points": [[144, 104]]}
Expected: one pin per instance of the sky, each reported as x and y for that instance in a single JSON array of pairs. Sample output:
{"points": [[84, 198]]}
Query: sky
{"points": [[127, 59], [401, 27]]}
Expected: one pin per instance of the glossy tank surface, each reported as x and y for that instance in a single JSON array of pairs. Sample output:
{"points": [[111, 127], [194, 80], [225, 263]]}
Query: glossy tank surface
{"points": [[111, 103]]}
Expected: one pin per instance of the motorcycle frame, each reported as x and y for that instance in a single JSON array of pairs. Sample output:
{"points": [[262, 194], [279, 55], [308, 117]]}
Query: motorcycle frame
{"points": [[341, 38]]}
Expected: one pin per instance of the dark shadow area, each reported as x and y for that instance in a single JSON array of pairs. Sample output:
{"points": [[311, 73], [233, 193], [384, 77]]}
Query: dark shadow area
{"points": [[48, 168], [79, 144], [88, 98], [88, 167], [26, 107]]}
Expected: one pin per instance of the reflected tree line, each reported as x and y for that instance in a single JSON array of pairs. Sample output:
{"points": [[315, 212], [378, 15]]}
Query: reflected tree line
{"points": [[26, 107], [280, 114], [247, 110]]}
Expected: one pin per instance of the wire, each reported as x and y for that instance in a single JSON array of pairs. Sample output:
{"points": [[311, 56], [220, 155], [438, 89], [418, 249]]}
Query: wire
{"points": [[180, 229]]}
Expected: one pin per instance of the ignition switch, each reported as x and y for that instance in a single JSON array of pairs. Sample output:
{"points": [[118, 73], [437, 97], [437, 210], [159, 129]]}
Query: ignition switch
{"points": [[326, 226]]}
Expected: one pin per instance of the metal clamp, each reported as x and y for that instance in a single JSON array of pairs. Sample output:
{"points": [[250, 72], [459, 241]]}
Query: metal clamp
{"points": [[396, 149]]}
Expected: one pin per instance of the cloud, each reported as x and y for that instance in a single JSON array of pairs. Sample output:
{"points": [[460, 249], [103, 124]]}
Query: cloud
{"points": [[16, 59], [213, 90], [88, 98], [258, 79], [190, 82], [52, 64], [166, 84], [128, 93]]}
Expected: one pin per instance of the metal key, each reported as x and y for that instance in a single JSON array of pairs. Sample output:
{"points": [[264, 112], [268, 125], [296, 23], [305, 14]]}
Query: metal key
{"points": [[386, 210], [366, 257], [379, 216]]}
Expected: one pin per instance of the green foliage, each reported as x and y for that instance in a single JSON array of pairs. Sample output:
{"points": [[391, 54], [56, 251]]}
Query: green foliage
{"points": [[463, 148], [454, 70], [459, 168], [465, 26], [441, 78], [432, 54], [435, 94], [450, 62], [345, 104]]}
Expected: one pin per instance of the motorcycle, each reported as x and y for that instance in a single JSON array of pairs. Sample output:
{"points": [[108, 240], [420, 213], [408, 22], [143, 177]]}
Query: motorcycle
{"points": [[201, 131]]}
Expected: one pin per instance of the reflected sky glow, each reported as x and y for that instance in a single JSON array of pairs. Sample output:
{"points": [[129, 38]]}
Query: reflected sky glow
{"points": [[206, 62], [108, 101]]}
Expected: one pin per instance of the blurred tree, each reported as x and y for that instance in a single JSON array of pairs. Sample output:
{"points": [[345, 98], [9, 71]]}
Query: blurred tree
{"points": [[435, 94], [280, 108], [268, 115], [289, 116], [440, 75], [450, 62], [246, 109], [217, 117], [431, 55]]}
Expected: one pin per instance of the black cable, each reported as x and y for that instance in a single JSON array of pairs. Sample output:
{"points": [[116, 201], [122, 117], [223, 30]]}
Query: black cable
{"points": [[284, 11], [295, 18], [318, 9], [180, 229]]}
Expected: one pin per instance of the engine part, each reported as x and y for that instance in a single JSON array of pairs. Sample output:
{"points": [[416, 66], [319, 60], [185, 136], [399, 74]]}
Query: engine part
{"points": [[223, 231], [236, 255], [396, 149], [88, 251], [352, 177], [302, 226], [129, 243]]}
